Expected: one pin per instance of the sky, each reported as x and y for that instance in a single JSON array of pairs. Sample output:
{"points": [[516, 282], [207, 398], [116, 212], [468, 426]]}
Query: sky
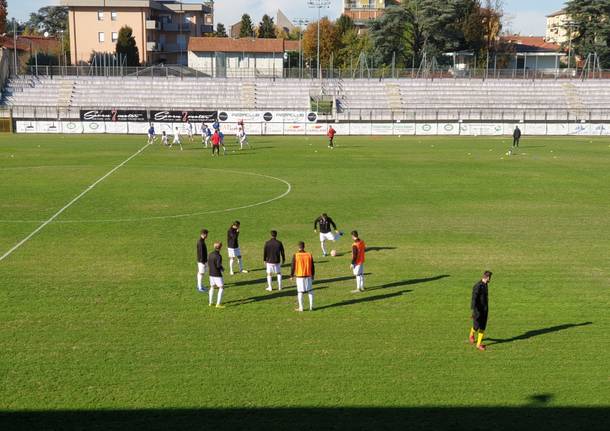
{"points": [[525, 16]]}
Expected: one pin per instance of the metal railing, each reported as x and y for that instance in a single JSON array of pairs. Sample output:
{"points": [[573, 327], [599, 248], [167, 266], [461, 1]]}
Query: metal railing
{"points": [[312, 73]]}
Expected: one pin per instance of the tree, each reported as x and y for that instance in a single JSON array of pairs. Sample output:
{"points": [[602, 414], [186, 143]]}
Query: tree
{"points": [[246, 29], [3, 15], [343, 24], [266, 28], [51, 19], [221, 31], [328, 41], [352, 45], [126, 47], [389, 36], [589, 28]]}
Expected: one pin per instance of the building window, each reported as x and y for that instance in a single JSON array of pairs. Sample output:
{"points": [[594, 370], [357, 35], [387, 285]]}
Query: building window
{"points": [[115, 36], [113, 16], [100, 15], [100, 37]]}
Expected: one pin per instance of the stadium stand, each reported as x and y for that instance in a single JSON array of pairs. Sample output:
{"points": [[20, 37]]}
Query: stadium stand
{"points": [[443, 98]]}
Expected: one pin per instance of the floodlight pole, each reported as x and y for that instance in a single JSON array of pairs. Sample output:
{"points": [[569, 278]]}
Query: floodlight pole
{"points": [[300, 22], [318, 4], [15, 46]]}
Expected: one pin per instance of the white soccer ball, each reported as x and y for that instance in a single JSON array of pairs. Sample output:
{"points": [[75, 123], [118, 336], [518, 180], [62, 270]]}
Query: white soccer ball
{"points": [[333, 253]]}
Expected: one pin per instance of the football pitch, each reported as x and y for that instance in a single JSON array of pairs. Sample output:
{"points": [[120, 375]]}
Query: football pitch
{"points": [[103, 328]]}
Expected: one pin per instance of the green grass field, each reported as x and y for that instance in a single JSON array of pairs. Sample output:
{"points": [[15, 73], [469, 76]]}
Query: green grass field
{"points": [[102, 327]]}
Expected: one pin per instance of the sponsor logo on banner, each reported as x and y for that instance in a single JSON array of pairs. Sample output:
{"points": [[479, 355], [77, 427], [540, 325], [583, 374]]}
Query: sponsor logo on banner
{"points": [[448, 127], [113, 115], [223, 116], [71, 126], [312, 117], [183, 116], [426, 127], [267, 116]]}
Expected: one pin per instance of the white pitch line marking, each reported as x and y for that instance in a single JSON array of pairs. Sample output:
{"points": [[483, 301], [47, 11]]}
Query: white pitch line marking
{"points": [[69, 204]]}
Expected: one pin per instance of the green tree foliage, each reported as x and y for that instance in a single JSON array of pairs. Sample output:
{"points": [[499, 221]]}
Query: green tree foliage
{"points": [[247, 29], [343, 24], [352, 45], [43, 59], [3, 15], [591, 28], [389, 36], [51, 19], [266, 28], [221, 31], [126, 47]]}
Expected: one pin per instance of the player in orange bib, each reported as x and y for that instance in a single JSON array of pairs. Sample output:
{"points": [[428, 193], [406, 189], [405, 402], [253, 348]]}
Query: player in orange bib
{"points": [[304, 270], [358, 252]]}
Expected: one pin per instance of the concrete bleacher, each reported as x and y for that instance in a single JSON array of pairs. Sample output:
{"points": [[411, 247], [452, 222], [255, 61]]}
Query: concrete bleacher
{"points": [[444, 98]]}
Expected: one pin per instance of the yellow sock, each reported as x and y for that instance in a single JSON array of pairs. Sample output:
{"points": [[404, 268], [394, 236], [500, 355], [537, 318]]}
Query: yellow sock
{"points": [[472, 331], [480, 340]]}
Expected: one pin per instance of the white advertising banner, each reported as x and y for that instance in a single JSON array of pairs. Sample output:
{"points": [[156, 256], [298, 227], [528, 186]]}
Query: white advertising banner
{"points": [[580, 129], [600, 129], [139, 128], [119, 128], [482, 129], [71, 127], [316, 129], [534, 129], [448, 129], [509, 128], [94, 127], [253, 129], [26, 127], [557, 129], [381, 129], [267, 116], [48, 127], [272, 129], [426, 129], [404, 129], [294, 129], [342, 129], [359, 129]]}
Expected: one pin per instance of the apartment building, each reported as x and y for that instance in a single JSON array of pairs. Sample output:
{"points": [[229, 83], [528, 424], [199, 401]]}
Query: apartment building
{"points": [[161, 28], [364, 11], [557, 27]]}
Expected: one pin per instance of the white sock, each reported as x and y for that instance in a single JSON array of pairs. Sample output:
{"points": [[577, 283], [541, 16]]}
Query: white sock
{"points": [[219, 300], [199, 278], [357, 282], [211, 294], [231, 265], [279, 281], [323, 247], [300, 299], [361, 282], [310, 301], [269, 279], [241, 265]]}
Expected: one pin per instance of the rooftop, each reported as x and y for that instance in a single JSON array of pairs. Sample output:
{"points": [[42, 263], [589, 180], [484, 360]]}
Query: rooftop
{"points": [[225, 44]]}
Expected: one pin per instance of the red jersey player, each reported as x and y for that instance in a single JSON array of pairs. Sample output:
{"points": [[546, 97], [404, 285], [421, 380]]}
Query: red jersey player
{"points": [[331, 136]]}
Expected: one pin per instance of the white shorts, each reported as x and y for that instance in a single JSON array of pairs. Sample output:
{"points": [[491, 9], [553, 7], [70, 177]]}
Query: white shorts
{"points": [[234, 252], [327, 236], [201, 267], [150, 136], [217, 282], [176, 141], [304, 284], [359, 270], [274, 268]]}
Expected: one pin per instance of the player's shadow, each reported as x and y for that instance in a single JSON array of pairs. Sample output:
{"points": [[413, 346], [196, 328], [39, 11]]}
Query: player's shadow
{"points": [[286, 291], [540, 400], [336, 279], [536, 332], [409, 282], [368, 249], [364, 299]]}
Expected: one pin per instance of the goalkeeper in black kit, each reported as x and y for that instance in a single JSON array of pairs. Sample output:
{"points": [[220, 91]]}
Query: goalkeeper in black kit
{"points": [[480, 310]]}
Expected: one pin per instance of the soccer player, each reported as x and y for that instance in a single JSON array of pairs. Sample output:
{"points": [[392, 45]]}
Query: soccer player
{"points": [[274, 257], [164, 138], [176, 138], [216, 270], [222, 142], [233, 247], [216, 143], [216, 125], [202, 259], [189, 129], [151, 134], [206, 134], [516, 136], [243, 139], [357, 266], [331, 137], [326, 233], [304, 270], [479, 307]]}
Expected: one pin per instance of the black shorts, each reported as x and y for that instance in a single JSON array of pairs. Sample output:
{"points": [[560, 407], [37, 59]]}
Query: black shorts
{"points": [[479, 321]]}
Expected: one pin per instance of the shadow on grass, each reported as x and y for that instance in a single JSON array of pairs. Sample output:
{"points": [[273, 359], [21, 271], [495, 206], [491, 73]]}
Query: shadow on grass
{"points": [[536, 333], [363, 299], [368, 249], [408, 282], [286, 291], [296, 419]]}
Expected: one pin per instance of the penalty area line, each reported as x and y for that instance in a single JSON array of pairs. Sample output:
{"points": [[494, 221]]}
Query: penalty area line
{"points": [[69, 204]]}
